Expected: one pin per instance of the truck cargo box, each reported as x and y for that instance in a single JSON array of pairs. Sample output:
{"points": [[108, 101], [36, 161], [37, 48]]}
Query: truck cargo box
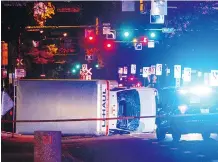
{"points": [[63, 99]]}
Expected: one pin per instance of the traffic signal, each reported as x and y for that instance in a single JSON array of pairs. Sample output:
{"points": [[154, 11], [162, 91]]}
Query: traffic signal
{"points": [[73, 71], [90, 35], [134, 40], [90, 38], [152, 35], [97, 66], [19, 62], [127, 34], [109, 45], [144, 40], [78, 66]]}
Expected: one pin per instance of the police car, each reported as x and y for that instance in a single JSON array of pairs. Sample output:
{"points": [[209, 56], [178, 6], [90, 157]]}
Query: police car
{"points": [[187, 110]]}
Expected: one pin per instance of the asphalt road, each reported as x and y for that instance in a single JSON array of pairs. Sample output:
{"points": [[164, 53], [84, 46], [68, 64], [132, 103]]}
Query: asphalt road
{"points": [[127, 148]]}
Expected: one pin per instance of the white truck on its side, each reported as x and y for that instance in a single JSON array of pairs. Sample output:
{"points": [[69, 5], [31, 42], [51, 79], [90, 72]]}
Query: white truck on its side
{"points": [[76, 99]]}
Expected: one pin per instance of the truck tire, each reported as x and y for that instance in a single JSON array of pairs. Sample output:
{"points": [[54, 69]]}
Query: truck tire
{"points": [[160, 134], [205, 135], [176, 136]]}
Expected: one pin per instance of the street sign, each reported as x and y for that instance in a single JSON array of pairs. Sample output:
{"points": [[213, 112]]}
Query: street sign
{"points": [[88, 57], [178, 82], [84, 66], [151, 44], [89, 32], [4, 53], [128, 6], [10, 78], [167, 71], [4, 73], [20, 73], [106, 30], [156, 19], [125, 70], [138, 46], [214, 78], [153, 69], [88, 77], [159, 69], [111, 34], [85, 73], [142, 7], [159, 7], [187, 75], [177, 71], [146, 72], [133, 68], [88, 71], [120, 70]]}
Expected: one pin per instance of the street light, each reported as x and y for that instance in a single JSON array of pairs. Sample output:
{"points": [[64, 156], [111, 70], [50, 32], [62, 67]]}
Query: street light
{"points": [[65, 34]]}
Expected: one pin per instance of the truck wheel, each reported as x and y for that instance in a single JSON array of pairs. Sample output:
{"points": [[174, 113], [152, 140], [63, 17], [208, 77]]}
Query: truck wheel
{"points": [[176, 136], [206, 135], [160, 134]]}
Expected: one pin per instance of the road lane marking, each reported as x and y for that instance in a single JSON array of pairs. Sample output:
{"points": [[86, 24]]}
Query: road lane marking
{"points": [[145, 139], [200, 155], [174, 148], [163, 145], [187, 152]]}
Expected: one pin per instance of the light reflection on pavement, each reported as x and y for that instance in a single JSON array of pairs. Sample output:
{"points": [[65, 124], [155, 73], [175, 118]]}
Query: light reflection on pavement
{"points": [[122, 148]]}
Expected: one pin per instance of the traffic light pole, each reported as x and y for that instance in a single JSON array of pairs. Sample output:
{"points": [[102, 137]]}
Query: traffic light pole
{"points": [[15, 84]]}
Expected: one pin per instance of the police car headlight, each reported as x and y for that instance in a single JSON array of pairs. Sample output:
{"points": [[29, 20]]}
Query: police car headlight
{"points": [[200, 90], [183, 108], [183, 91]]}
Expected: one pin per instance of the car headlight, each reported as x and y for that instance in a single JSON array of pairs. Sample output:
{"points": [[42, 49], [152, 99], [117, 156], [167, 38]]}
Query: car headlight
{"points": [[183, 108], [199, 90], [183, 91]]}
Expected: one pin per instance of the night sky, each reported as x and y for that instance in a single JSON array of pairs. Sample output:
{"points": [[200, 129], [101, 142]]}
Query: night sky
{"points": [[196, 49]]}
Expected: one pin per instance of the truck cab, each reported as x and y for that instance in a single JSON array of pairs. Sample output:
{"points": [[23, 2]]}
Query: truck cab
{"points": [[133, 102]]}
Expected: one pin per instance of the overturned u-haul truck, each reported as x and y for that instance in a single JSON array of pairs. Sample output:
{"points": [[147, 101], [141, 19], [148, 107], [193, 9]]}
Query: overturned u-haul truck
{"points": [[80, 99]]}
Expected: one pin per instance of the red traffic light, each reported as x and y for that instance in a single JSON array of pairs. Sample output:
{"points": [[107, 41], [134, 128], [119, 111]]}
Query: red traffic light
{"points": [[109, 45], [144, 40], [91, 38]]}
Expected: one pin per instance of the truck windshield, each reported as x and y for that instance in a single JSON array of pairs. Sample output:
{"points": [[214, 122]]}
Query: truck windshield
{"points": [[128, 105]]}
